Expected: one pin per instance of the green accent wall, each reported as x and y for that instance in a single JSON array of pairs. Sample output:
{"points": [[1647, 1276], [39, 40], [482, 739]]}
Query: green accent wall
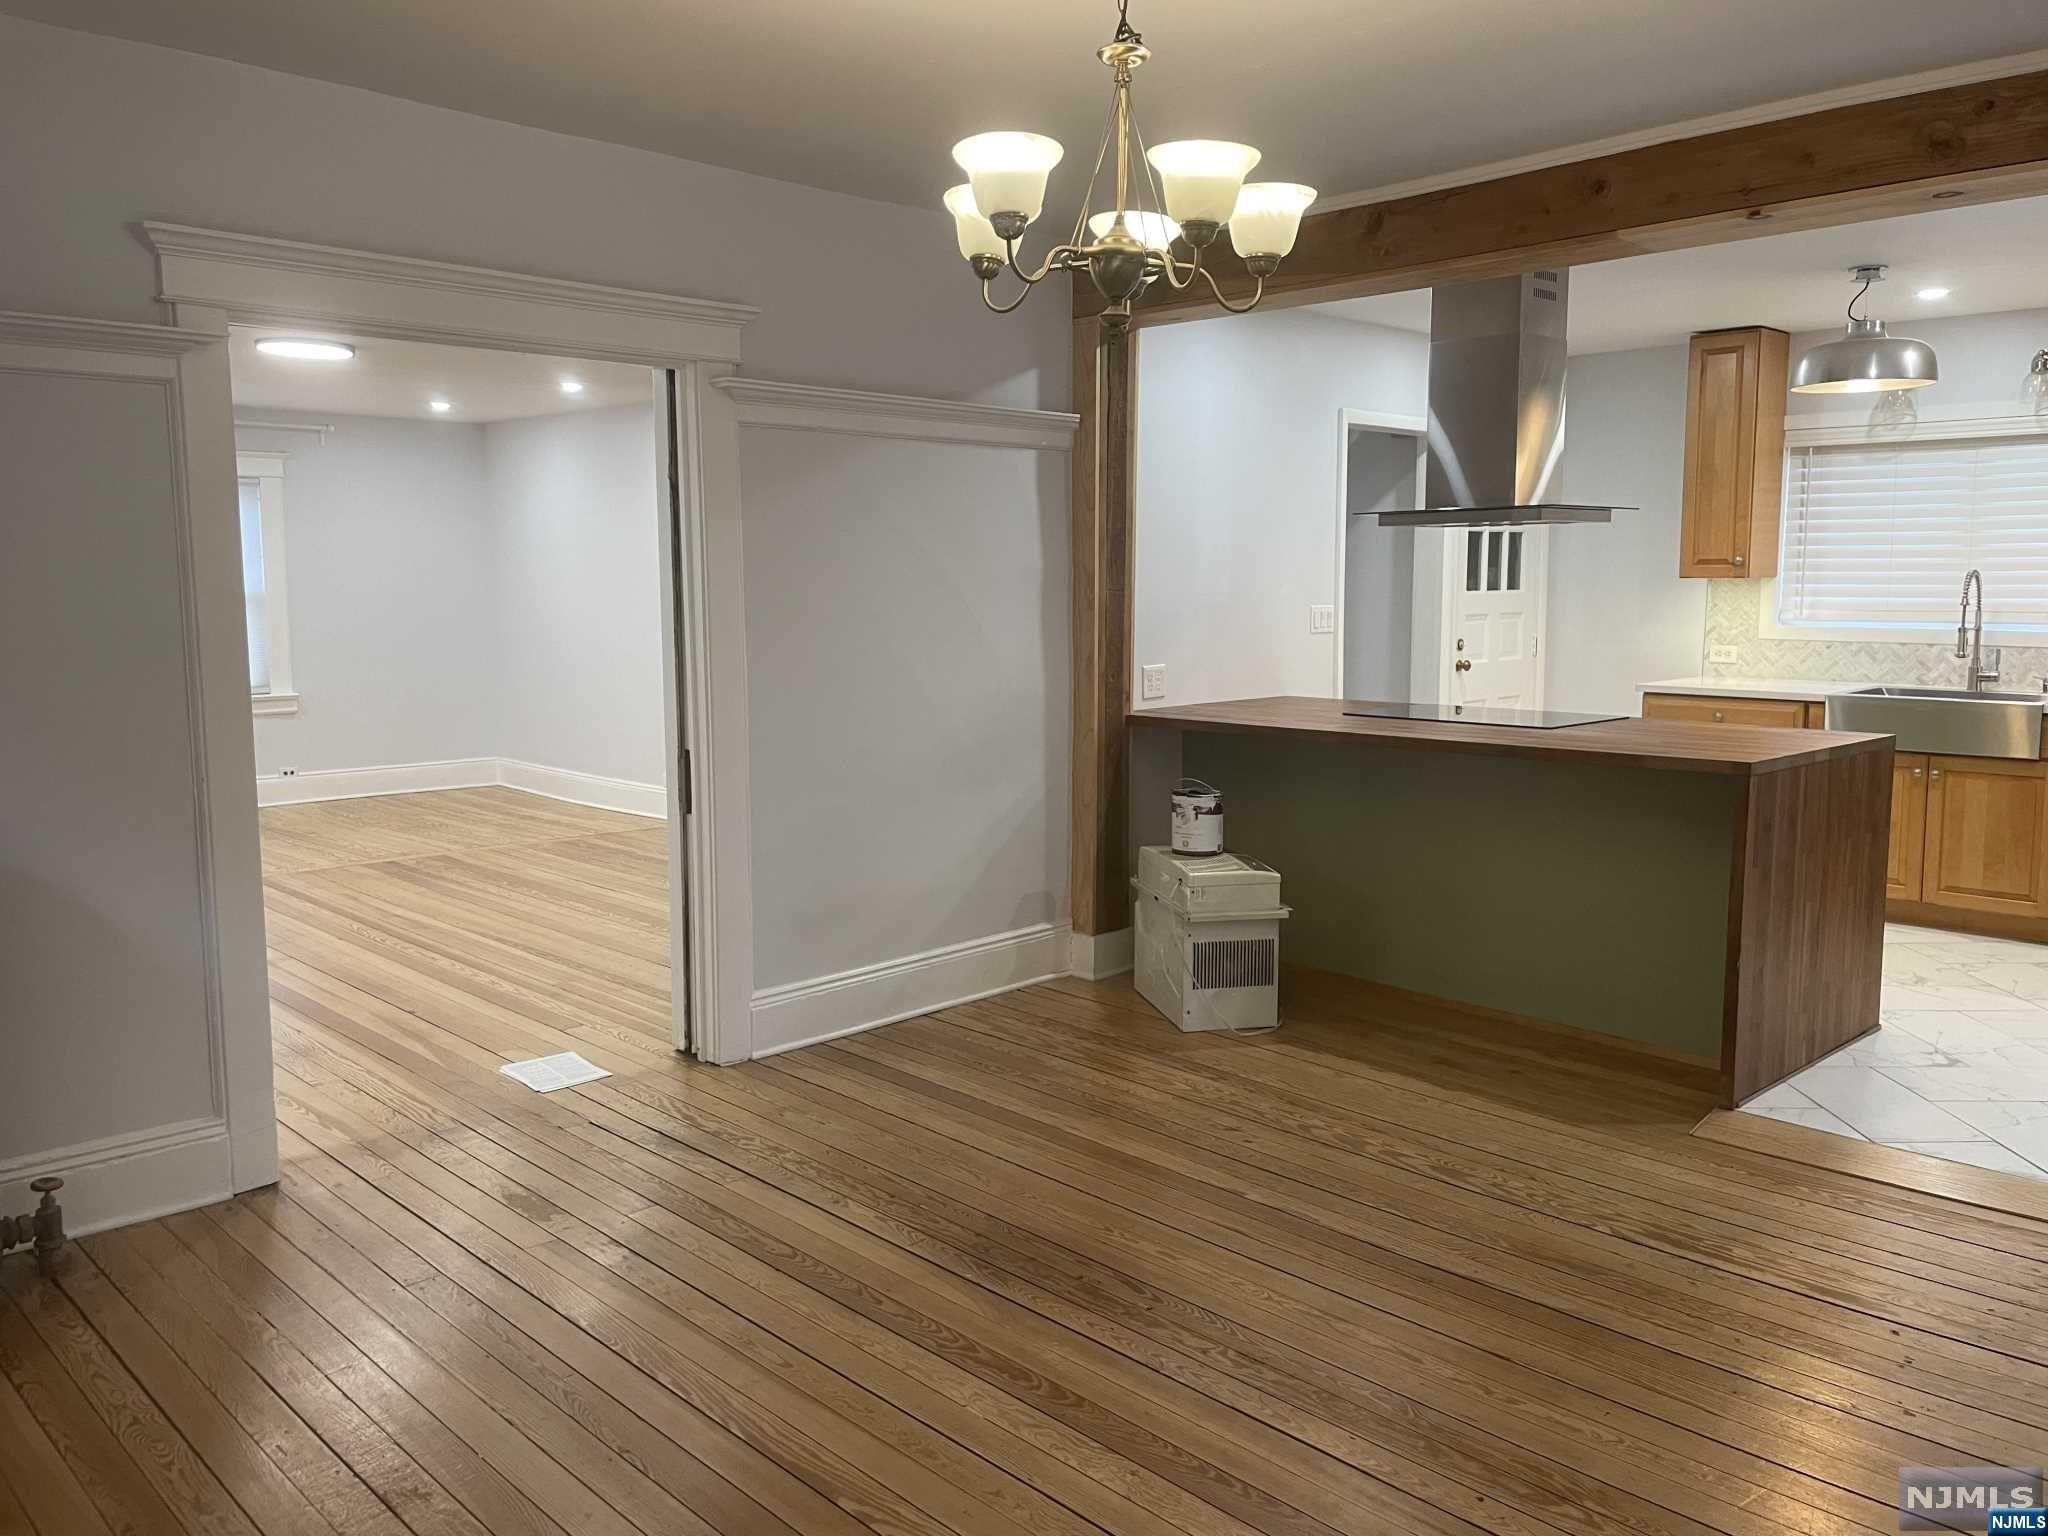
{"points": [[1588, 894]]}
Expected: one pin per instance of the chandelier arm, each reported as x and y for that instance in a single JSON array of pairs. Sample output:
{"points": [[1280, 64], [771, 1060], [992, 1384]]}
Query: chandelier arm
{"points": [[1059, 258], [1171, 267], [1236, 309], [1002, 309]]}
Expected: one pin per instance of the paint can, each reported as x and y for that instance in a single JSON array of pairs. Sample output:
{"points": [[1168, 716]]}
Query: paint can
{"points": [[1197, 817]]}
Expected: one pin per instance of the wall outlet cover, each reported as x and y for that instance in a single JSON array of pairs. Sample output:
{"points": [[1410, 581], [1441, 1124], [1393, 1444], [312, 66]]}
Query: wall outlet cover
{"points": [[1322, 618], [287, 773], [1721, 655], [1152, 681]]}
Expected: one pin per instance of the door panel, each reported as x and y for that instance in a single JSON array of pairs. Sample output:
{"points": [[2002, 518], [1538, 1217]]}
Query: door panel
{"points": [[1497, 618], [1984, 842], [1908, 827]]}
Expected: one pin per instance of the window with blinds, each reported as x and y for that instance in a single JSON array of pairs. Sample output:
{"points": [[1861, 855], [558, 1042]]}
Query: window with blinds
{"points": [[257, 610], [1880, 535]]}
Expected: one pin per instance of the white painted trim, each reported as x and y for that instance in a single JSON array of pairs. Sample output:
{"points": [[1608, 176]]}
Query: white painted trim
{"points": [[585, 788], [1093, 956], [213, 279], [1720, 122], [256, 465], [1416, 427], [385, 779], [267, 470], [811, 408], [189, 365], [273, 703], [810, 1012], [118, 1180], [289, 282], [320, 427]]}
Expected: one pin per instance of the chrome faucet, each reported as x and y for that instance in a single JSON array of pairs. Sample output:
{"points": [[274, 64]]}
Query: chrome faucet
{"points": [[1970, 638]]}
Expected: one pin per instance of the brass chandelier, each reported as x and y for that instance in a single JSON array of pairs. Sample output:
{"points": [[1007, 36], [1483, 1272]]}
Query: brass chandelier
{"points": [[1133, 243]]}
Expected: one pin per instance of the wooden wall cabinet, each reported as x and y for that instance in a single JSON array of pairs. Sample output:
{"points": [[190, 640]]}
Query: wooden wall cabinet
{"points": [[1734, 453]]}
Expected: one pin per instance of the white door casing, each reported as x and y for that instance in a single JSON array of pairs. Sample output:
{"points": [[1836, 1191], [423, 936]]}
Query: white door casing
{"points": [[1494, 601]]}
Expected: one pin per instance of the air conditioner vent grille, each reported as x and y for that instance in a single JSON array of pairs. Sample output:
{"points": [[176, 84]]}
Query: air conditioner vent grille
{"points": [[1220, 963]]}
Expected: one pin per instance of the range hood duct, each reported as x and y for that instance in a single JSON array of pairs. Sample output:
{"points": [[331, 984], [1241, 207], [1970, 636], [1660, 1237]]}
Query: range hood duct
{"points": [[1496, 407]]}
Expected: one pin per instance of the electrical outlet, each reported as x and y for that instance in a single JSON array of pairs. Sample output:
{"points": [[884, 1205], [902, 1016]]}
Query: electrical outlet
{"points": [[287, 773], [1152, 681], [1322, 618], [1721, 655]]}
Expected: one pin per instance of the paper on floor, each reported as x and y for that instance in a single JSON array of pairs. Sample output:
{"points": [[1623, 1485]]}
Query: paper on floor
{"points": [[544, 1074]]}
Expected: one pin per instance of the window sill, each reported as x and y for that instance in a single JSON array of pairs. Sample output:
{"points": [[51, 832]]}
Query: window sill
{"points": [[273, 704]]}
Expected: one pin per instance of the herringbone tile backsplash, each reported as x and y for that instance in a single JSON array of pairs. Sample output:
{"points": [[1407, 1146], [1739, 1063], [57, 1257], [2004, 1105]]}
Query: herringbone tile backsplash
{"points": [[1731, 620]]}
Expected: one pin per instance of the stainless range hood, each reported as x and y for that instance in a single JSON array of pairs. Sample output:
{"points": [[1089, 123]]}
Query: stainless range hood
{"points": [[1496, 407]]}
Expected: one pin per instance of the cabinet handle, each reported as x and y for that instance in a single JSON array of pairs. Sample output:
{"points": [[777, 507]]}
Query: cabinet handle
{"points": [[1916, 773], [1717, 714], [1738, 561], [1934, 773]]}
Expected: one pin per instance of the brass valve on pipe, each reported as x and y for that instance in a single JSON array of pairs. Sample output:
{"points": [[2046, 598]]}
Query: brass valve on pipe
{"points": [[44, 1226]]}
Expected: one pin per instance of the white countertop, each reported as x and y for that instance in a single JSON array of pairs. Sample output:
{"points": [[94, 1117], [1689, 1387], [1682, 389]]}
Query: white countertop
{"points": [[1810, 689]]}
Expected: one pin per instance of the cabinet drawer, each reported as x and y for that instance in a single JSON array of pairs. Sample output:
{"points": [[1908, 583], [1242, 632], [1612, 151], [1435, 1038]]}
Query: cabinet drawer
{"points": [[1684, 706]]}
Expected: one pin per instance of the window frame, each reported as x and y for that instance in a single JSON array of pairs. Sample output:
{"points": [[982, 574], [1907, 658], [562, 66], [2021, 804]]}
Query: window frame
{"points": [[1845, 432], [267, 470]]}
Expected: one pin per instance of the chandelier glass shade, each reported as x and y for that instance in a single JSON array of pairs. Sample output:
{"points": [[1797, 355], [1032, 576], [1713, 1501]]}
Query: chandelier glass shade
{"points": [[1170, 204]]}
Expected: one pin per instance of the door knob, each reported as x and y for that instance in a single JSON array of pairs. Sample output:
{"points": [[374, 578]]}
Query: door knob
{"points": [[1464, 665]]}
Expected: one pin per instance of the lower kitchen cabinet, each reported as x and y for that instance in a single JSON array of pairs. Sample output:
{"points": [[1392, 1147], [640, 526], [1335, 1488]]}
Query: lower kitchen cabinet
{"points": [[1909, 826], [1725, 711], [1984, 844]]}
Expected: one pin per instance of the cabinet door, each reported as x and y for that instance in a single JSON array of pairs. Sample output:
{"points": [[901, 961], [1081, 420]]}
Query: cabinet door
{"points": [[1734, 453], [1909, 826], [1707, 711], [1984, 835]]}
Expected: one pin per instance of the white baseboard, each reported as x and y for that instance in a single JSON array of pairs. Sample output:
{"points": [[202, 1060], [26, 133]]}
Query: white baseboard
{"points": [[584, 788], [124, 1179], [1096, 955], [826, 1007], [357, 783], [463, 773]]}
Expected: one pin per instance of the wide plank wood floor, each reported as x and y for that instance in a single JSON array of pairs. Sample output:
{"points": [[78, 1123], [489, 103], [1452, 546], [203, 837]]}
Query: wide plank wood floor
{"points": [[1036, 1266]]}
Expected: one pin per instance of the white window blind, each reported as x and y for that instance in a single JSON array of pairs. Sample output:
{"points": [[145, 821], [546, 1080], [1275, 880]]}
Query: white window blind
{"points": [[257, 609], [1881, 534]]}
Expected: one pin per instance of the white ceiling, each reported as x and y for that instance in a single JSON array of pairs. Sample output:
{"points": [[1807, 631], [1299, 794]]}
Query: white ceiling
{"points": [[1991, 257], [866, 96], [398, 378]]}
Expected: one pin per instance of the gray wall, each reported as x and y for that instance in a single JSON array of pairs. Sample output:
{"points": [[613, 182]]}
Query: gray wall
{"points": [[1239, 429], [909, 680], [1619, 614], [391, 561], [1379, 567], [579, 592]]}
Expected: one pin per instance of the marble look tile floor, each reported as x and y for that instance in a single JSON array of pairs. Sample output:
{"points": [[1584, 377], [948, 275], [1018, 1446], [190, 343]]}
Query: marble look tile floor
{"points": [[1958, 1067]]}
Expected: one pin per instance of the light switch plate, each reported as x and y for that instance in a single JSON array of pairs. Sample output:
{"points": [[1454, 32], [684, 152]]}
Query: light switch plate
{"points": [[1721, 655], [1152, 681], [1322, 618]]}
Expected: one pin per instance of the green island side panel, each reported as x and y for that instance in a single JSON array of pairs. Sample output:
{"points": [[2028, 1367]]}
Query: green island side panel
{"points": [[1591, 894]]}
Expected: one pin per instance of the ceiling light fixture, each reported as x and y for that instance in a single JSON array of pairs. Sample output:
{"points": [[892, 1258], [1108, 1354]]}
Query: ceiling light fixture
{"points": [[1866, 360], [1132, 244], [306, 349], [443, 406], [572, 386], [1929, 295]]}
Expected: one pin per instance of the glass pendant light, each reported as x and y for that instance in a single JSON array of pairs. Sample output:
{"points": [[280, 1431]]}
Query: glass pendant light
{"points": [[2034, 388], [1008, 172], [1867, 360], [1148, 228], [1267, 218], [1200, 178], [976, 235]]}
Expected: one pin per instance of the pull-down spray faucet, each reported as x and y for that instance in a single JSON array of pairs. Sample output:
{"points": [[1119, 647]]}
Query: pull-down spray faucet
{"points": [[1970, 638]]}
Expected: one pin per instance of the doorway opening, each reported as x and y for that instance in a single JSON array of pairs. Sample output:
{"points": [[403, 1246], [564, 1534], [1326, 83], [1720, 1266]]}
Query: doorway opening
{"points": [[459, 581]]}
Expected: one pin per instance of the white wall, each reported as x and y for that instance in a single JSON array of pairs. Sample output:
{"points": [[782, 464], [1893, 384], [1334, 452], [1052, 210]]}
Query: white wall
{"points": [[573, 510], [1239, 432], [391, 554], [1378, 622], [909, 682], [1619, 614]]}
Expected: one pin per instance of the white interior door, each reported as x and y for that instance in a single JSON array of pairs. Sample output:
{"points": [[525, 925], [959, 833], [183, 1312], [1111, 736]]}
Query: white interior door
{"points": [[1495, 603]]}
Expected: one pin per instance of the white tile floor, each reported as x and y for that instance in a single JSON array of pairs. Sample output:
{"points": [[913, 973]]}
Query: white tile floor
{"points": [[1959, 1066]]}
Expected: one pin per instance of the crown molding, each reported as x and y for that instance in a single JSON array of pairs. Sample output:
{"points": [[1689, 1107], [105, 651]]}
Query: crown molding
{"points": [[1973, 73], [103, 335], [815, 408], [257, 279]]}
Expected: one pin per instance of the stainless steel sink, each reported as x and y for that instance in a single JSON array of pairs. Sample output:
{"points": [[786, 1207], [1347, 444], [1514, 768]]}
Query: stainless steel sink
{"points": [[1945, 720]]}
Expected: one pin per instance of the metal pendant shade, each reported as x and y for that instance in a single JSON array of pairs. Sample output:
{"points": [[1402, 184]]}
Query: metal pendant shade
{"points": [[1866, 360]]}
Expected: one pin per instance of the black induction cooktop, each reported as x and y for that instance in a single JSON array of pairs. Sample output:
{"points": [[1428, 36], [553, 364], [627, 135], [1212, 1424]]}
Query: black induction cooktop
{"points": [[1479, 714]]}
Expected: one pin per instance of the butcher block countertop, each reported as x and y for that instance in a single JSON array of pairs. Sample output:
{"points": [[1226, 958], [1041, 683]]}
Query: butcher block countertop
{"points": [[1675, 744]]}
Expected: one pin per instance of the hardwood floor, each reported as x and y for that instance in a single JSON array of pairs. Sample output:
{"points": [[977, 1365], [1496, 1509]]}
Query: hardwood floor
{"points": [[1036, 1266]]}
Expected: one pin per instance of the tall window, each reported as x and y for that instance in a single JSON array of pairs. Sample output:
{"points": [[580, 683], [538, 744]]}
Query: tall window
{"points": [[1878, 536], [261, 505]]}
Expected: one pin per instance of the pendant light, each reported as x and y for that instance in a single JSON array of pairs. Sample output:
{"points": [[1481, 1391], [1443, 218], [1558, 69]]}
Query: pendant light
{"points": [[1866, 360]]}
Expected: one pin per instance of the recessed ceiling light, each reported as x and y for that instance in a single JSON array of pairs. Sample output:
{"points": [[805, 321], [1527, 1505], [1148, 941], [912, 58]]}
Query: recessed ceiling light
{"points": [[1931, 294], [572, 386], [307, 349], [441, 405]]}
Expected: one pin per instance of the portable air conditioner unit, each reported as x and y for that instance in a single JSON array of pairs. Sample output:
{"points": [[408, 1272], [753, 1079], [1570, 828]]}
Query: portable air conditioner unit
{"points": [[1207, 940]]}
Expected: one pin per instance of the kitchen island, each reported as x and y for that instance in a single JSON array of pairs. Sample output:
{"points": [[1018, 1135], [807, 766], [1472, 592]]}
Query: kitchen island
{"points": [[1714, 892]]}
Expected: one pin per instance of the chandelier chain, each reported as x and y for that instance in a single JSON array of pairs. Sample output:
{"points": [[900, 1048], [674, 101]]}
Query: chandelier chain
{"points": [[1124, 31]]}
